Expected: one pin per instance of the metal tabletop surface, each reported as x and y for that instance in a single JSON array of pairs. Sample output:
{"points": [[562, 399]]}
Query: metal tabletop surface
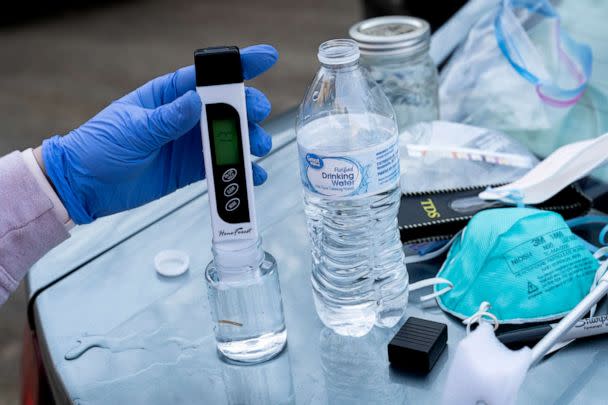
{"points": [[153, 338], [150, 339]]}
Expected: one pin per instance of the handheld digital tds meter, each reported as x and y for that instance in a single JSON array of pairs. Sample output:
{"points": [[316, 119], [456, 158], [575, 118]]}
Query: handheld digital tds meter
{"points": [[219, 83]]}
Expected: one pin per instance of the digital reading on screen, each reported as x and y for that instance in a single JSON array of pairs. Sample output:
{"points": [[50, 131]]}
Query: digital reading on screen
{"points": [[225, 142]]}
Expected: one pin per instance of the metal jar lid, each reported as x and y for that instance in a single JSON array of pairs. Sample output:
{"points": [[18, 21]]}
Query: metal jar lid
{"points": [[392, 35]]}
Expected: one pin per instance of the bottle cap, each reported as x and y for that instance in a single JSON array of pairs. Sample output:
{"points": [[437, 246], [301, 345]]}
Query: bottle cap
{"points": [[418, 345], [171, 263]]}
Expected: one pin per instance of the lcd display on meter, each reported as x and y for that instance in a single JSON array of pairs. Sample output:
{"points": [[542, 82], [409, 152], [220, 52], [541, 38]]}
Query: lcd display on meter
{"points": [[223, 137], [225, 142]]}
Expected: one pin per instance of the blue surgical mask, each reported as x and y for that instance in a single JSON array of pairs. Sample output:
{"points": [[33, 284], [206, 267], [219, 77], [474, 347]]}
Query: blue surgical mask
{"points": [[518, 265]]}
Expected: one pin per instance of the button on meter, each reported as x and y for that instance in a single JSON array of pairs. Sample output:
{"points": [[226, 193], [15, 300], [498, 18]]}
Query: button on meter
{"points": [[229, 175], [233, 204], [231, 189]]}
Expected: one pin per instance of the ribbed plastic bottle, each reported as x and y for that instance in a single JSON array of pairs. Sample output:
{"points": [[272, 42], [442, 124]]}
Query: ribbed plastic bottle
{"points": [[349, 166]]}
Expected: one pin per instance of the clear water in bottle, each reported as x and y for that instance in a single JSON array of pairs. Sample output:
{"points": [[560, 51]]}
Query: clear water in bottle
{"points": [[349, 165]]}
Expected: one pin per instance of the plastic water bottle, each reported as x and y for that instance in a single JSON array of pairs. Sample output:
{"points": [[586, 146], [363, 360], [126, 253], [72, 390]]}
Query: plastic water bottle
{"points": [[349, 166]]}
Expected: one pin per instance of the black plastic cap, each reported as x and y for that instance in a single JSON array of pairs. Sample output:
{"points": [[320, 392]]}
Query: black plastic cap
{"points": [[218, 65], [418, 345]]}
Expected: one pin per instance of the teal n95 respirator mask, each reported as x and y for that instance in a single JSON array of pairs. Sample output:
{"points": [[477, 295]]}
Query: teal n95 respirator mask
{"points": [[514, 265]]}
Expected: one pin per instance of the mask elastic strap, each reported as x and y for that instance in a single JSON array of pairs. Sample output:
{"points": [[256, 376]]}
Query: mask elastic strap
{"points": [[602, 236], [599, 273], [592, 219], [478, 316], [601, 252], [432, 282]]}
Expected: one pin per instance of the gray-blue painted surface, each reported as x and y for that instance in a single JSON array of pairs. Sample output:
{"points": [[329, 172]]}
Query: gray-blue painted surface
{"points": [[159, 337]]}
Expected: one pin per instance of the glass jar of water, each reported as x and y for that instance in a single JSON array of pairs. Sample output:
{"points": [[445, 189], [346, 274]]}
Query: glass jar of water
{"points": [[246, 306], [395, 49]]}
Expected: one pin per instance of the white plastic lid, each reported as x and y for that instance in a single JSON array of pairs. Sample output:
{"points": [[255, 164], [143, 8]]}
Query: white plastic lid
{"points": [[171, 263]]}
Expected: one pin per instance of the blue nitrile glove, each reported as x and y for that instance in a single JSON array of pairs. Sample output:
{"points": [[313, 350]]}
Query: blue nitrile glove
{"points": [[146, 144]]}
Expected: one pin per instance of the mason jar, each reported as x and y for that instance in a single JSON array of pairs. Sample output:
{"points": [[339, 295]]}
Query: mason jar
{"points": [[395, 49]]}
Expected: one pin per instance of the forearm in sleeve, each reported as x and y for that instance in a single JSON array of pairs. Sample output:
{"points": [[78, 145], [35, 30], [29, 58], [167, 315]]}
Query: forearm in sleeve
{"points": [[30, 219]]}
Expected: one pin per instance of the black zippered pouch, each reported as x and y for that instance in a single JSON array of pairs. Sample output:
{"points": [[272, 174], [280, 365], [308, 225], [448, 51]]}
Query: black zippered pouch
{"points": [[439, 215]]}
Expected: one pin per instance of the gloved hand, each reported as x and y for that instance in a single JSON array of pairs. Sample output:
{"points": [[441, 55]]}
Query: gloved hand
{"points": [[146, 144]]}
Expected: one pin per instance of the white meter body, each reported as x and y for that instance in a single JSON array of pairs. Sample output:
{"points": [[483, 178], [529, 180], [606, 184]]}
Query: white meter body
{"points": [[219, 83]]}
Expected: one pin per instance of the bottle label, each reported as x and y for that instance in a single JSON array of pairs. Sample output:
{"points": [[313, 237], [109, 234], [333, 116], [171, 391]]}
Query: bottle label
{"points": [[350, 174]]}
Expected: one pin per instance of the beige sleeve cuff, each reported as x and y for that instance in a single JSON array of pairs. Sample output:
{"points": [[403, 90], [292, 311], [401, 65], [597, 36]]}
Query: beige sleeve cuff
{"points": [[58, 209]]}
